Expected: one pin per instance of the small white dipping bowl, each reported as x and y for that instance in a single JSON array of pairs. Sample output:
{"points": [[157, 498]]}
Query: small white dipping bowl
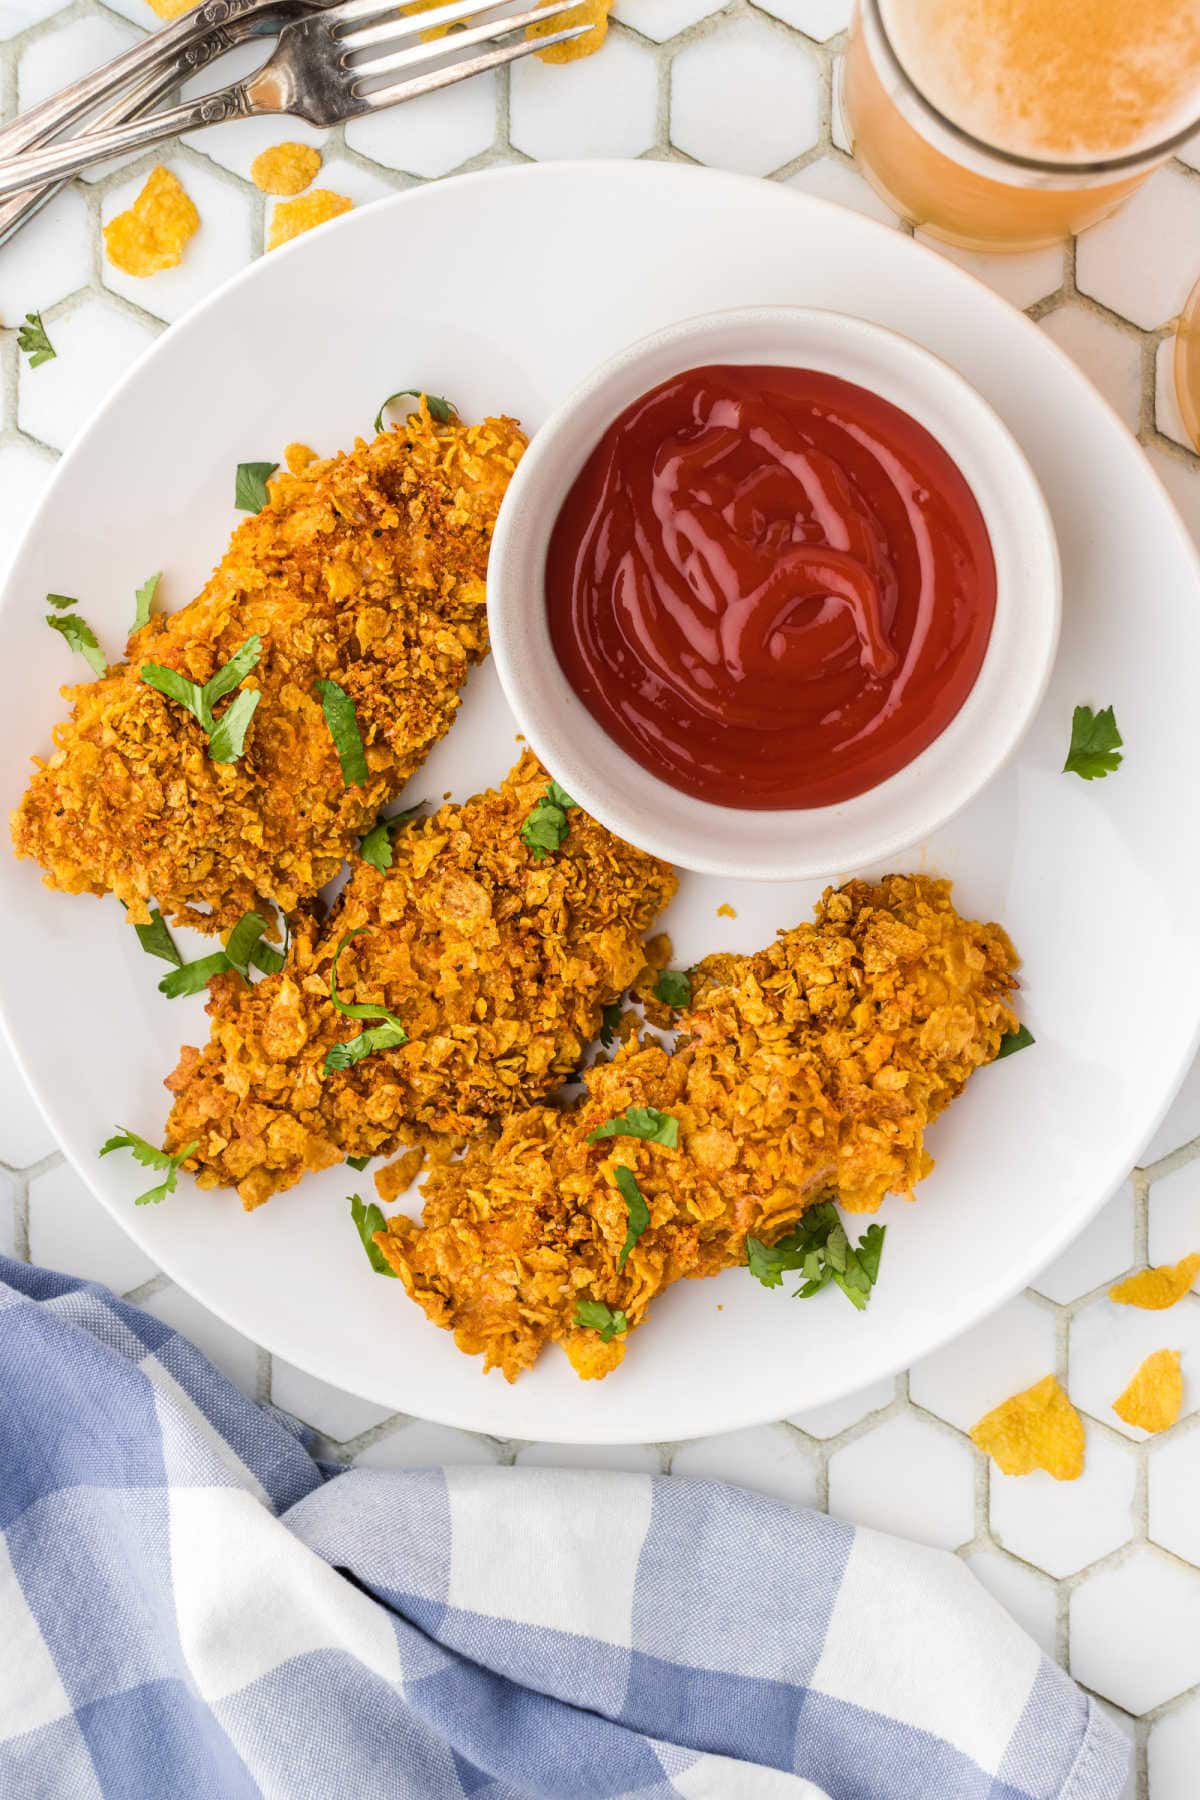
{"points": [[802, 843]]}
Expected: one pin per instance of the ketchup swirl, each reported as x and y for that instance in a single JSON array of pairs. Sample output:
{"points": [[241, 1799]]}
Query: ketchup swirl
{"points": [[771, 587]]}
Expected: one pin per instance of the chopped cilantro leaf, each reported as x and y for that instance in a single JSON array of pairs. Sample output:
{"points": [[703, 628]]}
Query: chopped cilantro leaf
{"points": [[610, 1018], [144, 600], [243, 947], [358, 1162], [673, 988], [1095, 744], [227, 739], [342, 721], [636, 1211], [189, 978], [367, 1221], [546, 824], [269, 960], [156, 940], [250, 486], [226, 735], [439, 409], [1012, 1041], [388, 1035], [819, 1248], [640, 1122], [150, 1158], [609, 1321], [239, 945], [33, 341], [558, 796], [61, 600], [81, 637], [376, 847]]}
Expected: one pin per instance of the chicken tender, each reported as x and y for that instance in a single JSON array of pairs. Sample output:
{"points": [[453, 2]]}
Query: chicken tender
{"points": [[366, 569], [804, 1073], [498, 965]]}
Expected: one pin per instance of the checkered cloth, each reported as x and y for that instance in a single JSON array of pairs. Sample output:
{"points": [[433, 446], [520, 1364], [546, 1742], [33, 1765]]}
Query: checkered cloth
{"points": [[191, 1606]]}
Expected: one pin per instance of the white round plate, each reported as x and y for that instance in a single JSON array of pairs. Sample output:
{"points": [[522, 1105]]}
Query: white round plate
{"points": [[502, 290]]}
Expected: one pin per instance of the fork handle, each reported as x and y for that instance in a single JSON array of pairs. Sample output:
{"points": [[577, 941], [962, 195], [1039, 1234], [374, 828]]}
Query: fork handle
{"points": [[60, 160]]}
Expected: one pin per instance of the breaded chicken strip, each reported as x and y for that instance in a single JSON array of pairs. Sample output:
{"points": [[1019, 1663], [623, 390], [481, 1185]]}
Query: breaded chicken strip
{"points": [[366, 569], [497, 964], [806, 1072]]}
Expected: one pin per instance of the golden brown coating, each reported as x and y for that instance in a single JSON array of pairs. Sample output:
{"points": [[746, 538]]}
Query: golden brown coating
{"points": [[498, 966], [806, 1072], [367, 569]]}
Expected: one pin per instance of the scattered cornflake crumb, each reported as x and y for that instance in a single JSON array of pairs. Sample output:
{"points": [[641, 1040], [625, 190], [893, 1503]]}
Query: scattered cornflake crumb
{"points": [[725, 911], [150, 236], [285, 168], [291, 217], [297, 457], [399, 1175], [1036, 1429], [1154, 1289], [171, 9], [588, 12], [1155, 1395]]}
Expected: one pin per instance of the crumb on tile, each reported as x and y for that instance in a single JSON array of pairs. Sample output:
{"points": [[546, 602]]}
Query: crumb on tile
{"points": [[396, 1176], [291, 217], [1154, 1396], [297, 457], [588, 12], [151, 234], [285, 168], [725, 911]]}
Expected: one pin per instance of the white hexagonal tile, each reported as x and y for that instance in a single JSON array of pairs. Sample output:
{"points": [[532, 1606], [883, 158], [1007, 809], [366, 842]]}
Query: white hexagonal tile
{"points": [[1102, 1251], [1110, 358], [19, 15], [1182, 481], [434, 134], [1175, 1215], [336, 1414], [1028, 1597], [1135, 1631], [24, 1135], [838, 1415], [8, 1218], [1004, 1355], [1021, 279], [224, 1347], [1173, 1516], [71, 1231], [1062, 1526], [661, 19], [1142, 262], [602, 105], [1109, 1343], [747, 97], [1182, 1122], [820, 19], [839, 125], [222, 245], [769, 1459], [829, 178], [634, 1459], [50, 258], [420, 1445], [95, 345], [909, 1477], [1173, 1752], [1166, 404], [64, 55]]}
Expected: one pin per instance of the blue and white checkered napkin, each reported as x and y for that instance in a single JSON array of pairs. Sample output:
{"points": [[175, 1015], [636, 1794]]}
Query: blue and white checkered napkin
{"points": [[190, 1606]]}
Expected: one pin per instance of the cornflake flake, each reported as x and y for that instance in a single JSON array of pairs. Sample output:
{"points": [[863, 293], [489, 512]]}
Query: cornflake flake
{"points": [[285, 168], [1036, 1429], [1154, 1397], [291, 217], [152, 234], [588, 12], [1155, 1289]]}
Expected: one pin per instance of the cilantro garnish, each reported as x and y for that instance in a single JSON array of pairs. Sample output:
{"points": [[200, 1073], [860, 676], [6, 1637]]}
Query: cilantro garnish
{"points": [[239, 945], [342, 721], [546, 824], [156, 939], [673, 988], [819, 1248], [226, 735], [367, 1221], [81, 637], [358, 1162], [250, 486], [376, 847], [387, 1036], [636, 1211], [143, 601], [34, 342], [639, 1122], [1095, 744], [439, 409], [243, 947], [610, 1018], [150, 1158], [1012, 1041], [61, 600], [609, 1321]]}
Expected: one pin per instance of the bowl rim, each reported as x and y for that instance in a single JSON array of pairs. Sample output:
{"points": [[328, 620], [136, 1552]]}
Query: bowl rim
{"points": [[516, 597]]}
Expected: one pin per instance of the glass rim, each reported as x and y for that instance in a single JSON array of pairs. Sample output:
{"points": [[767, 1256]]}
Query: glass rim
{"points": [[1129, 161]]}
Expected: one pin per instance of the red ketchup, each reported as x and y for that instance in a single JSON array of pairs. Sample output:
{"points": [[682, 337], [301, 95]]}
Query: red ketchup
{"points": [[769, 586]]}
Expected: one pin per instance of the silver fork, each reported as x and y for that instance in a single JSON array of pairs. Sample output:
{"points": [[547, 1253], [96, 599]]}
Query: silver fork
{"points": [[160, 70], [311, 73]]}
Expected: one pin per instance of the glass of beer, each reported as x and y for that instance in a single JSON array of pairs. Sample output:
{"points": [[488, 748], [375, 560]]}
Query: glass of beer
{"points": [[1010, 124]]}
